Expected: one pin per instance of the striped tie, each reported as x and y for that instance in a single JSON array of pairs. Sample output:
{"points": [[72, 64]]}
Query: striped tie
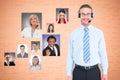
{"points": [[86, 46]]}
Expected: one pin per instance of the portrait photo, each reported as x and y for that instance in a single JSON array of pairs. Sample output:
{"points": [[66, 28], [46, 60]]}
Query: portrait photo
{"points": [[51, 45], [62, 15], [35, 62], [9, 59], [50, 28], [22, 51], [35, 46], [31, 25]]}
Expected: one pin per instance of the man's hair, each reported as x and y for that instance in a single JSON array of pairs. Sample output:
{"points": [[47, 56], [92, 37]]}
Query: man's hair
{"points": [[62, 10], [85, 6], [22, 46], [51, 36], [6, 54], [35, 43]]}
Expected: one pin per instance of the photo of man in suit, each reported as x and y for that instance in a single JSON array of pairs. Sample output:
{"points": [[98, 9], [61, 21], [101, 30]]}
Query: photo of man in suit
{"points": [[22, 53], [9, 59], [52, 46]]}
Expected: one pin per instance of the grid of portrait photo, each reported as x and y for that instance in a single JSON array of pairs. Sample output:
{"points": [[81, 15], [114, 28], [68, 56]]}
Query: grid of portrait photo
{"points": [[39, 44]]}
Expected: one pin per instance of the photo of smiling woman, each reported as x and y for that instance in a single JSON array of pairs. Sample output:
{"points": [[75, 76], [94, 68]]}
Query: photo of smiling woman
{"points": [[35, 61], [50, 28], [62, 15], [33, 30]]}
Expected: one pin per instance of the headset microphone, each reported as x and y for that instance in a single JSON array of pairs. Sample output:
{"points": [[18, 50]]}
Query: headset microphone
{"points": [[89, 21]]}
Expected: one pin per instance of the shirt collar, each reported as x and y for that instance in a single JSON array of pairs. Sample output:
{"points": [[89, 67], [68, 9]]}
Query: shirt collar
{"points": [[23, 53], [51, 47], [7, 62]]}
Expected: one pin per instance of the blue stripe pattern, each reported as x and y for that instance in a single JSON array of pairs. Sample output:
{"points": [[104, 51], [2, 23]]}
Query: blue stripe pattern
{"points": [[86, 46]]}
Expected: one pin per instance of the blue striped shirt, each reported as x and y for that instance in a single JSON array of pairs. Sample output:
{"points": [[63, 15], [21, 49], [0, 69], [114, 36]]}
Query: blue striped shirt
{"points": [[97, 49]]}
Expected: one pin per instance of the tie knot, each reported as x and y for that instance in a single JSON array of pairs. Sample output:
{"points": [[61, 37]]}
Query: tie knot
{"points": [[86, 29]]}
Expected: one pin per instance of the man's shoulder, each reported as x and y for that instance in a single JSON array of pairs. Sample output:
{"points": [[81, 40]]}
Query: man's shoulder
{"points": [[46, 48], [57, 45], [97, 30], [26, 53], [75, 31], [18, 54]]}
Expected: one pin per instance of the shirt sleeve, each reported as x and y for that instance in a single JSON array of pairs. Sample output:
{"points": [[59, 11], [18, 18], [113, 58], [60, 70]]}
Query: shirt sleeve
{"points": [[103, 54], [70, 57]]}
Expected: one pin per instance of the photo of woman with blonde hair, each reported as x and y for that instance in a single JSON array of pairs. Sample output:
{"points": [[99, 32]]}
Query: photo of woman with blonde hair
{"points": [[34, 30], [35, 63]]}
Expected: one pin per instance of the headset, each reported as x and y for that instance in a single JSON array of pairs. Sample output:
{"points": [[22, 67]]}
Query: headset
{"points": [[92, 15]]}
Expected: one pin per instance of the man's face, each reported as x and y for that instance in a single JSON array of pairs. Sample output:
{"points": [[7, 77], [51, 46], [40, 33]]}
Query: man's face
{"points": [[85, 15], [51, 42], [8, 57], [35, 46], [22, 49]]}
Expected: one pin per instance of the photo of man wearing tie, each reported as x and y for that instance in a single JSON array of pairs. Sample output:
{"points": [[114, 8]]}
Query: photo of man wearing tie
{"points": [[52, 46], [87, 49], [22, 53]]}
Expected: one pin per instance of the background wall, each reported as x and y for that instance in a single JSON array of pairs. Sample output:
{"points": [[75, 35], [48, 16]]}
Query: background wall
{"points": [[107, 18]]}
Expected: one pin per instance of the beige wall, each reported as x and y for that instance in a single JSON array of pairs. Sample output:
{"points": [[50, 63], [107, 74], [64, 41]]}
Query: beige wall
{"points": [[107, 18]]}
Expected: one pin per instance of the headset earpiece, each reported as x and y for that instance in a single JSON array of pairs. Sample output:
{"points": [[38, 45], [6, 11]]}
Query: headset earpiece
{"points": [[79, 15], [92, 15]]}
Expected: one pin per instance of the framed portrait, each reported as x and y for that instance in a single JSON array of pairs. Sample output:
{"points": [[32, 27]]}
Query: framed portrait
{"points": [[31, 25], [62, 15], [35, 62], [50, 28], [35, 46], [22, 51], [51, 45], [9, 59]]}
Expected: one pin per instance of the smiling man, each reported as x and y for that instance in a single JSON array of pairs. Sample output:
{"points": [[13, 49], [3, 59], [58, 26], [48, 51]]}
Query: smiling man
{"points": [[52, 46], [86, 49]]}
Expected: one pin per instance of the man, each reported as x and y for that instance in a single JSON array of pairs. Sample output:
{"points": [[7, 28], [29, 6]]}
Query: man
{"points": [[35, 47], [22, 54], [86, 50], [7, 61], [52, 46]]}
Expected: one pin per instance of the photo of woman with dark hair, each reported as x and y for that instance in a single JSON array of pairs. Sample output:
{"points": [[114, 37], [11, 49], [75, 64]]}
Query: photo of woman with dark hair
{"points": [[62, 18], [50, 28]]}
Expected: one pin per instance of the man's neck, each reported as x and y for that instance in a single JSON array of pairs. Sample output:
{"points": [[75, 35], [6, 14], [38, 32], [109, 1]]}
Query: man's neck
{"points": [[51, 47], [35, 50], [86, 25]]}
